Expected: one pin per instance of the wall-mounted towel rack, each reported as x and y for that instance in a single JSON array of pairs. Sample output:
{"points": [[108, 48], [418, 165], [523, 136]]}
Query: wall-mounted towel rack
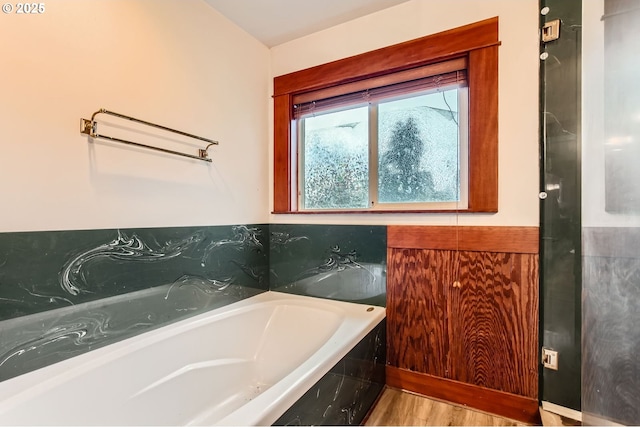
{"points": [[90, 127]]}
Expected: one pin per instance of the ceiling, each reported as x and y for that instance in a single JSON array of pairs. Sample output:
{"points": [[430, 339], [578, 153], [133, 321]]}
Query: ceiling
{"points": [[274, 22]]}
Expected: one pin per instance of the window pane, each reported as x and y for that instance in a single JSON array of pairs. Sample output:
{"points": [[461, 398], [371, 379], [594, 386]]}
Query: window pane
{"points": [[335, 160], [418, 149]]}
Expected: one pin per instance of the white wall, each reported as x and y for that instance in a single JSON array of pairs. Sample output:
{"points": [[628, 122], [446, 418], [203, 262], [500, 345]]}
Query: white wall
{"points": [[177, 63], [518, 98]]}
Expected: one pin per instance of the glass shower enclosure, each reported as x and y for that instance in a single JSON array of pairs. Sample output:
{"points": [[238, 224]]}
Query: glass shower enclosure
{"points": [[590, 218], [611, 212]]}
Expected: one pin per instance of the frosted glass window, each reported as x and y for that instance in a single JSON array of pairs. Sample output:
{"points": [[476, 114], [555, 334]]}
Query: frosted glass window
{"points": [[394, 153], [418, 151], [335, 160]]}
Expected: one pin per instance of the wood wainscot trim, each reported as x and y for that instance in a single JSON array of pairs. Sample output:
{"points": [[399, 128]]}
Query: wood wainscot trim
{"points": [[435, 47], [465, 238], [282, 153], [496, 402]]}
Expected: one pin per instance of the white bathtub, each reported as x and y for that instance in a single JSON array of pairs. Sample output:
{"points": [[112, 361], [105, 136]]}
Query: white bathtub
{"points": [[242, 364]]}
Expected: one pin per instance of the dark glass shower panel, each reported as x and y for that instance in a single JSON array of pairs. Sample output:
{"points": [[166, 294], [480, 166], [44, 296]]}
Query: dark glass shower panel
{"points": [[560, 210]]}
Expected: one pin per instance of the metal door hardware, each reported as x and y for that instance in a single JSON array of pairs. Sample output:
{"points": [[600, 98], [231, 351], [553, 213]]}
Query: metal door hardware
{"points": [[550, 359], [551, 31]]}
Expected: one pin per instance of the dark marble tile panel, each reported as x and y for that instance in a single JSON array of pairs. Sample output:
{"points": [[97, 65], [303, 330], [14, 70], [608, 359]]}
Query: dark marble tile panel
{"points": [[46, 270], [343, 262], [346, 394]]}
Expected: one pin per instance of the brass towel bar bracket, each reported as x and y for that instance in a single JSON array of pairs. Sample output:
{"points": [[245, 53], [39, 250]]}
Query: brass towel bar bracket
{"points": [[90, 127]]}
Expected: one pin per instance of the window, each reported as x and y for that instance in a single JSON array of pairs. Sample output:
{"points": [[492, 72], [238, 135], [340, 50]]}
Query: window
{"points": [[397, 147], [411, 127]]}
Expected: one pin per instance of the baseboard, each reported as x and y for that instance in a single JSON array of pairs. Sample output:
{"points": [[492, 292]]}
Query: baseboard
{"points": [[496, 402], [562, 411]]}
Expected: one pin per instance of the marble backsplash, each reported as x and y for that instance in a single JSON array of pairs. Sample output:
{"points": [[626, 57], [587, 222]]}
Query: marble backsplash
{"points": [[342, 262], [46, 270]]}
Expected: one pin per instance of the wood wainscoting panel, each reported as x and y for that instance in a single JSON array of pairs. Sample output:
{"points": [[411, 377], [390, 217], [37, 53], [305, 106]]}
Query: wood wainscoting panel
{"points": [[493, 322], [416, 310], [468, 315]]}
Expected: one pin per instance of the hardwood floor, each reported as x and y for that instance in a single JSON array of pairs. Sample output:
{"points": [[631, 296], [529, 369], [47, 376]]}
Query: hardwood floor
{"points": [[551, 419], [400, 408]]}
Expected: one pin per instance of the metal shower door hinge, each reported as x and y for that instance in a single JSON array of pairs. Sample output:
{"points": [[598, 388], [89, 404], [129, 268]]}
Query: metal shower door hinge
{"points": [[551, 31], [550, 359]]}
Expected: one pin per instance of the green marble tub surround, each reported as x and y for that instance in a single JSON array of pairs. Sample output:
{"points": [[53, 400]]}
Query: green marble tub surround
{"points": [[63, 293], [346, 394], [343, 262], [46, 270]]}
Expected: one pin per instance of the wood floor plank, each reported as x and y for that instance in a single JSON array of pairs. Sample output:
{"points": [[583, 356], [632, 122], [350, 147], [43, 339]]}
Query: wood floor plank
{"points": [[399, 408], [551, 419]]}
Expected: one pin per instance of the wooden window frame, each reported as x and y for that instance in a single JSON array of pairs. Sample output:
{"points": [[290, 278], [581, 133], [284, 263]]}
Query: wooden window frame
{"points": [[477, 42]]}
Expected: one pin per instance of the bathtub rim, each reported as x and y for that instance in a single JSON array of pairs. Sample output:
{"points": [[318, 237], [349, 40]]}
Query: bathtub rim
{"points": [[264, 409]]}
